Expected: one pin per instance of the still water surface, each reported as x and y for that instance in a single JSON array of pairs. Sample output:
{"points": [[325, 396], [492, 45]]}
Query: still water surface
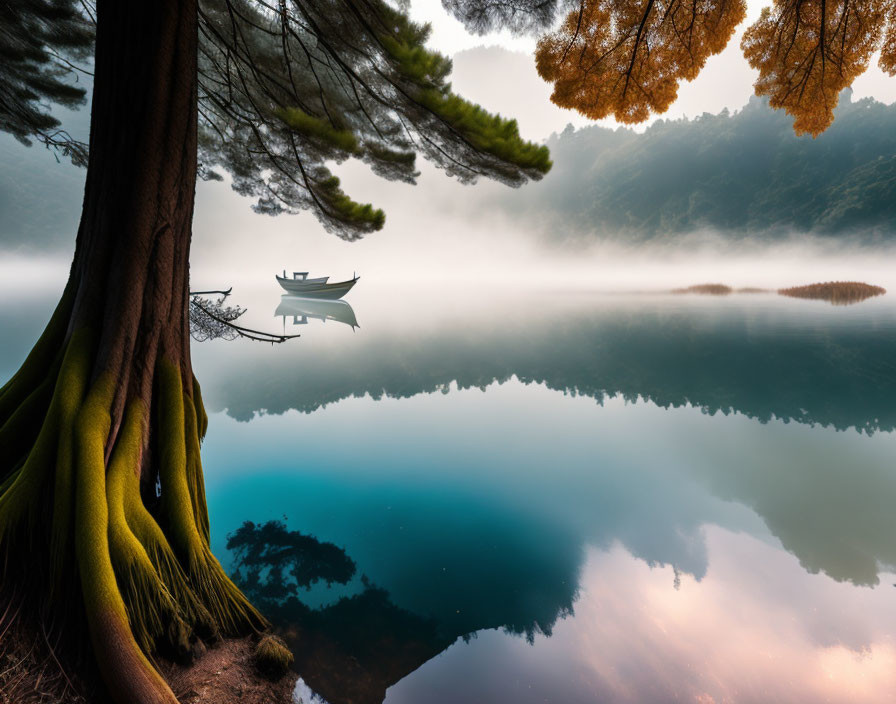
{"points": [[563, 498]]}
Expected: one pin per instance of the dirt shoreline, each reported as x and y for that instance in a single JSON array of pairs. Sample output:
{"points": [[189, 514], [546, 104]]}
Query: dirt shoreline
{"points": [[35, 669], [226, 674]]}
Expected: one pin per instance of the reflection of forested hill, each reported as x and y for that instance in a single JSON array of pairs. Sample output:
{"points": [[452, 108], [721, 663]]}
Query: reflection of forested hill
{"points": [[762, 364], [513, 544], [739, 174], [352, 650]]}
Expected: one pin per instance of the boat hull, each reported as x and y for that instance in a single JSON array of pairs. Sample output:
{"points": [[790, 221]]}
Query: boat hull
{"points": [[304, 308], [308, 289]]}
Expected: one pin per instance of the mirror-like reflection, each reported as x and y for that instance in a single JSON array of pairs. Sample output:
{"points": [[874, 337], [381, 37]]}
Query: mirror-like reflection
{"points": [[622, 499], [763, 356], [351, 650], [545, 546], [300, 310], [757, 629]]}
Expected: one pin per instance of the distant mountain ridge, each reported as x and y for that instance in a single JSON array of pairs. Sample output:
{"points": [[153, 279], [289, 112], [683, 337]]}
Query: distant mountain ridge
{"points": [[742, 174]]}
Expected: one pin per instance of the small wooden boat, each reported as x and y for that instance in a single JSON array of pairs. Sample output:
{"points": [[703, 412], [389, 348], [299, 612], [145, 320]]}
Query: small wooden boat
{"points": [[301, 285], [302, 309]]}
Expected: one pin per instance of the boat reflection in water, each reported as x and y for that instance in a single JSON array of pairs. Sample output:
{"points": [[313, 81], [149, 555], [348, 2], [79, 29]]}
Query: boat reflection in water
{"points": [[301, 309]]}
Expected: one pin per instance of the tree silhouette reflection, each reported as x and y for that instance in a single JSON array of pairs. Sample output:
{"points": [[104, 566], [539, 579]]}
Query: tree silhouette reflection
{"points": [[353, 649]]}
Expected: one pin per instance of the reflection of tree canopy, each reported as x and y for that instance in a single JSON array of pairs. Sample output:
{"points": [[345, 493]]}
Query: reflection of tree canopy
{"points": [[832, 373], [349, 651], [354, 649], [273, 563]]}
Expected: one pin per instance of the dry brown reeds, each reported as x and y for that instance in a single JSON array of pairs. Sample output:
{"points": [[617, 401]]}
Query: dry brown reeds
{"points": [[35, 667], [706, 289], [839, 293]]}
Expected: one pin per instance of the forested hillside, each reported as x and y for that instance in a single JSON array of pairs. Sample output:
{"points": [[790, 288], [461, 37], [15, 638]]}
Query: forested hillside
{"points": [[742, 175]]}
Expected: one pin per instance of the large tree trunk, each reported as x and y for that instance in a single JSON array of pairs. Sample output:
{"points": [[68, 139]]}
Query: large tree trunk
{"points": [[106, 408]]}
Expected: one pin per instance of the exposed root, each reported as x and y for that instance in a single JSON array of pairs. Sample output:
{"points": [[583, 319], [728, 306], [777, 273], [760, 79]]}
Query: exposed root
{"points": [[147, 586], [229, 608], [201, 415], [126, 669], [155, 616], [150, 536], [24, 499], [71, 390], [195, 481]]}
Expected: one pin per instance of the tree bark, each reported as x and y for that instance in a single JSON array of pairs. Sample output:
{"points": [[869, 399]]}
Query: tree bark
{"points": [[132, 257], [106, 404]]}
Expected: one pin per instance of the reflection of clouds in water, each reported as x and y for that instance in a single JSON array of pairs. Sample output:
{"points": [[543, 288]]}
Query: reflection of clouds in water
{"points": [[481, 530], [757, 628], [518, 477], [302, 694], [625, 472]]}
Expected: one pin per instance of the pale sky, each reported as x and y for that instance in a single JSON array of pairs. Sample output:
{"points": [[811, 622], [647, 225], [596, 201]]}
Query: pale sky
{"points": [[508, 83]]}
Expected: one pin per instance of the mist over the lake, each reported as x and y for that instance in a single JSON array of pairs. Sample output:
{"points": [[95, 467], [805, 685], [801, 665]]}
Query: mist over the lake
{"points": [[594, 223], [731, 197], [510, 239]]}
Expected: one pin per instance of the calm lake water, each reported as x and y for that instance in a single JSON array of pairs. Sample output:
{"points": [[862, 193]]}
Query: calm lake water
{"points": [[560, 498]]}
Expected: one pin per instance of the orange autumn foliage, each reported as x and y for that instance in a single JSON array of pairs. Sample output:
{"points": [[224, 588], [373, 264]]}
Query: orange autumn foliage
{"points": [[807, 51], [887, 61], [626, 57]]}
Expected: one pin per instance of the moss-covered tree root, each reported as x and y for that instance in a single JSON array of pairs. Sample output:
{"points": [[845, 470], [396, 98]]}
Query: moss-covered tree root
{"points": [[102, 507], [81, 520]]}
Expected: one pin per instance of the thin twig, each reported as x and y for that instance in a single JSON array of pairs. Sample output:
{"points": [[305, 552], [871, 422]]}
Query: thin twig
{"points": [[205, 293], [56, 660], [245, 332]]}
